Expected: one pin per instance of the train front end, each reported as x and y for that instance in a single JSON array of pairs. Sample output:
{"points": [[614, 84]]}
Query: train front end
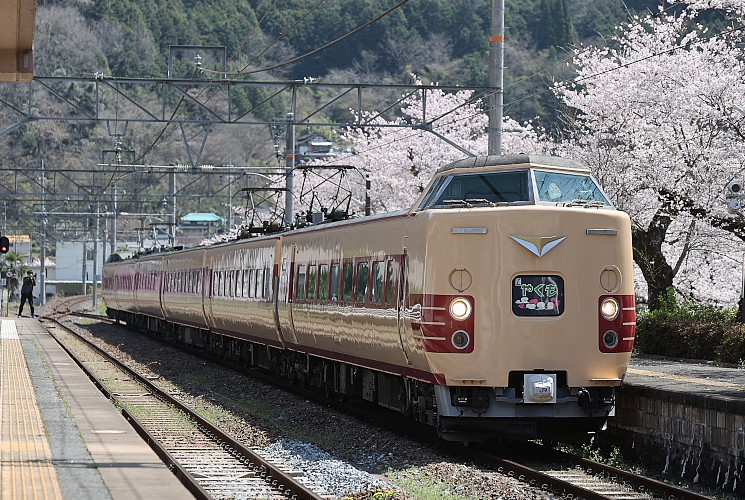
{"points": [[526, 305]]}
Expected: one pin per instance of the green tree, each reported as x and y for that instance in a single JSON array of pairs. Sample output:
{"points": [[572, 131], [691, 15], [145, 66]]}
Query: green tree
{"points": [[12, 268]]}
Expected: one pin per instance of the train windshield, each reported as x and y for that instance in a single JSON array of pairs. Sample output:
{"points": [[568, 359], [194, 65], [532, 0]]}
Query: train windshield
{"points": [[513, 187], [481, 188], [560, 187]]}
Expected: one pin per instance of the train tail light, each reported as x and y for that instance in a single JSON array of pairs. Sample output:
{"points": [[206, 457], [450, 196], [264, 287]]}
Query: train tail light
{"points": [[461, 339], [616, 323], [610, 339]]}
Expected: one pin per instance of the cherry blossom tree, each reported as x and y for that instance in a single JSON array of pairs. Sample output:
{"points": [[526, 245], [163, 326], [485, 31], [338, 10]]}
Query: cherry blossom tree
{"points": [[401, 161], [658, 115]]}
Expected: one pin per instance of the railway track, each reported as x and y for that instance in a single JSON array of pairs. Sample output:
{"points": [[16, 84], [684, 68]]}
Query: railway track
{"points": [[579, 478], [207, 460]]}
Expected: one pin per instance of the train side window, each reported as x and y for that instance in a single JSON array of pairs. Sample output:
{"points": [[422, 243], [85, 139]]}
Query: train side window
{"points": [[378, 289], [390, 288], [323, 282], [312, 281], [335, 281], [363, 279], [259, 283], [267, 282], [238, 283], [300, 288], [348, 281], [246, 285]]}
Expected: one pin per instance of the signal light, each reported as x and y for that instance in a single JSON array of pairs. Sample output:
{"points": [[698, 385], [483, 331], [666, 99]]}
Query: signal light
{"points": [[4, 244]]}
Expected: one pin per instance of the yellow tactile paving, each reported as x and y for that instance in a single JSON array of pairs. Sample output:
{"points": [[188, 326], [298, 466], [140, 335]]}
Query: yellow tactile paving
{"points": [[26, 468]]}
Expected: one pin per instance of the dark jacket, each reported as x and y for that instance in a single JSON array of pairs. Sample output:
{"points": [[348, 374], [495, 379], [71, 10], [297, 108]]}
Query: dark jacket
{"points": [[29, 282]]}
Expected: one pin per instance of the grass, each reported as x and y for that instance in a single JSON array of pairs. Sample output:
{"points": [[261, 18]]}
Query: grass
{"points": [[418, 485]]}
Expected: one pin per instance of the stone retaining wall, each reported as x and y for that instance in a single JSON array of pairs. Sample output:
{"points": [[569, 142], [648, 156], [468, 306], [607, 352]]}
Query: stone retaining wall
{"points": [[682, 435]]}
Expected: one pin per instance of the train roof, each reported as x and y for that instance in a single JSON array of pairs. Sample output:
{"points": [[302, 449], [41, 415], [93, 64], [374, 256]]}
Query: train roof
{"points": [[513, 161]]}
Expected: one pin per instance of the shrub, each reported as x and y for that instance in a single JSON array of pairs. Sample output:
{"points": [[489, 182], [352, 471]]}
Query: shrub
{"points": [[690, 330], [732, 349]]}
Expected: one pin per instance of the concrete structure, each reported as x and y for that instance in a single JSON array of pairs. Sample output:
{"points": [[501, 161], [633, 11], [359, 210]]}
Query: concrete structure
{"points": [[20, 244], [17, 23], [73, 272]]}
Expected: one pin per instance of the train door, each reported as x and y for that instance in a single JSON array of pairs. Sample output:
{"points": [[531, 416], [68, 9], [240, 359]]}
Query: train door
{"points": [[285, 323], [208, 289], [402, 319]]}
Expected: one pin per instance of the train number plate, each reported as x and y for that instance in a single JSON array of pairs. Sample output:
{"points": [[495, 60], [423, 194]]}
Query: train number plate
{"points": [[538, 295]]}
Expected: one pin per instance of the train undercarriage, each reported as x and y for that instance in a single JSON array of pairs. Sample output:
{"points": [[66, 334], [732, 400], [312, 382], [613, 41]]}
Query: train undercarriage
{"points": [[467, 414]]}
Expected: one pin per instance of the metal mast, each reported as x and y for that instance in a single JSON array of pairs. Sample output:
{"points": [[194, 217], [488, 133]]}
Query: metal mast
{"points": [[496, 76]]}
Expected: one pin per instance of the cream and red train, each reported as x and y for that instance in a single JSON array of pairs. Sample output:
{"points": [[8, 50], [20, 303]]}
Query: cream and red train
{"points": [[501, 304]]}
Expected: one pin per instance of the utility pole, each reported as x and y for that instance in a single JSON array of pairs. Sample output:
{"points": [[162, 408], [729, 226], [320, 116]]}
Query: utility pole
{"points": [[43, 269], [496, 76], [172, 216], [95, 258], [290, 167]]}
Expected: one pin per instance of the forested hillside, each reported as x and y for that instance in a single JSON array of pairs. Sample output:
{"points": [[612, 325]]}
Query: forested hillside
{"points": [[443, 41]]}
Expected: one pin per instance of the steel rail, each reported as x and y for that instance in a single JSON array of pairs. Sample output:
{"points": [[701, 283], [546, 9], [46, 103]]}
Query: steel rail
{"points": [[271, 471]]}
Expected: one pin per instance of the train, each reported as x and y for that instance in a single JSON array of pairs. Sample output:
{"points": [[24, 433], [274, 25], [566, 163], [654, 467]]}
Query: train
{"points": [[500, 305]]}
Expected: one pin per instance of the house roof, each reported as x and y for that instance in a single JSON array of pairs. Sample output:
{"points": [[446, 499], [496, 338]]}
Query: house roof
{"points": [[202, 217]]}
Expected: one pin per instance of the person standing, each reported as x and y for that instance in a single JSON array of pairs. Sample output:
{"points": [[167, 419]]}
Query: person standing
{"points": [[27, 293]]}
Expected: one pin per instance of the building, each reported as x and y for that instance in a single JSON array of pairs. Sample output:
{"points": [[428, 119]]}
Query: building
{"points": [[195, 227], [312, 146]]}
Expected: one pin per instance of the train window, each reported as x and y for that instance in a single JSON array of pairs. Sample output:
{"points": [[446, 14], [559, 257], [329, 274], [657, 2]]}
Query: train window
{"points": [[251, 282], [483, 188], [223, 283], [323, 282], [363, 279], [433, 192], [348, 281], [378, 288], [390, 291], [300, 288], [259, 283], [267, 282], [312, 281], [246, 286], [561, 187], [238, 284], [335, 281]]}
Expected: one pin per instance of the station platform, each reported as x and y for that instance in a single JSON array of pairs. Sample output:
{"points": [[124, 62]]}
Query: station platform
{"points": [[690, 382], [684, 420], [60, 437]]}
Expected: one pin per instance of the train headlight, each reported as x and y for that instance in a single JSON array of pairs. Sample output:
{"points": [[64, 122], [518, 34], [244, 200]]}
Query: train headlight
{"points": [[460, 308], [610, 308], [461, 339], [610, 339]]}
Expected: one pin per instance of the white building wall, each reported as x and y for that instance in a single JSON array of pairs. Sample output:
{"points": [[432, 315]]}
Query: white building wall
{"points": [[70, 261]]}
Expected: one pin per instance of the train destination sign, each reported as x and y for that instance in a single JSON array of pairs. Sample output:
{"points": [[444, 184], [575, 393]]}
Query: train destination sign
{"points": [[538, 295]]}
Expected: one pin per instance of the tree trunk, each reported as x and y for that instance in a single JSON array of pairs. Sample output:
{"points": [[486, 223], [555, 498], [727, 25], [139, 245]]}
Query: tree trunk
{"points": [[650, 259]]}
